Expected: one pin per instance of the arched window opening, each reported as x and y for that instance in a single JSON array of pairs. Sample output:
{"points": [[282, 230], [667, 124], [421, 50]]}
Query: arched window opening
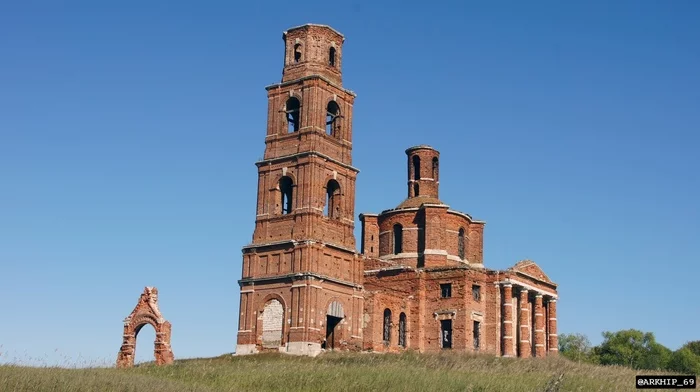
{"points": [[460, 244], [386, 336], [402, 330], [297, 53], [416, 190], [435, 169], [292, 109], [286, 185], [398, 238], [331, 57], [332, 207], [332, 114], [416, 167]]}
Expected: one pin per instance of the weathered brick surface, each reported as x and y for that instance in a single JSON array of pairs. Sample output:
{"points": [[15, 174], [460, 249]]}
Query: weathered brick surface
{"points": [[146, 312], [302, 261]]}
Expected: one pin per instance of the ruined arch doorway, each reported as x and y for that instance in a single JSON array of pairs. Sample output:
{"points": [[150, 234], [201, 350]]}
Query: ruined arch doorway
{"points": [[146, 312], [334, 318], [144, 340]]}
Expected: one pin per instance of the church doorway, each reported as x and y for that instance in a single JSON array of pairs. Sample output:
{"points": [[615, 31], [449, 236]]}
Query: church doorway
{"points": [[446, 332], [334, 318]]}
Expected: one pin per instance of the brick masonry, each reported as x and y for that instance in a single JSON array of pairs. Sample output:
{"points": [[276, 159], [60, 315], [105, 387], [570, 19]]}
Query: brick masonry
{"points": [[419, 281], [146, 312]]}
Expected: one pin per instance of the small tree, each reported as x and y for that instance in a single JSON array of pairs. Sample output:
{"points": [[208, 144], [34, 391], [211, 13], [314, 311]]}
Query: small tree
{"points": [[633, 348], [576, 347], [693, 346], [685, 361]]}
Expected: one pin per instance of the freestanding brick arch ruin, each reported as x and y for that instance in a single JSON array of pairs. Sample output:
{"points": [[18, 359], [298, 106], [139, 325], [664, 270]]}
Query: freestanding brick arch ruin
{"points": [[146, 312]]}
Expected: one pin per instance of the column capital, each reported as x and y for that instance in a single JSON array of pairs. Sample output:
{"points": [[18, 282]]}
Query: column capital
{"points": [[550, 299], [538, 295], [507, 285]]}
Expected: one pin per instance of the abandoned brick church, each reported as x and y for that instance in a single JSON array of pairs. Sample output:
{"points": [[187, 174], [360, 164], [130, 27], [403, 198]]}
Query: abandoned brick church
{"points": [[419, 281]]}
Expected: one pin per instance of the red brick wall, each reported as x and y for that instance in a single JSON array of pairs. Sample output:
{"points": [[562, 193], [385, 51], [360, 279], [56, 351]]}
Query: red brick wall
{"points": [[427, 181], [316, 42]]}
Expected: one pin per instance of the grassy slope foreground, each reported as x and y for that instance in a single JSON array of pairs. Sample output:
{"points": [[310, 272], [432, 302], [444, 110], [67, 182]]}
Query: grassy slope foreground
{"points": [[329, 372]]}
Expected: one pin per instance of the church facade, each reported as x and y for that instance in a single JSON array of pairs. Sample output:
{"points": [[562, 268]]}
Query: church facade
{"points": [[418, 282]]}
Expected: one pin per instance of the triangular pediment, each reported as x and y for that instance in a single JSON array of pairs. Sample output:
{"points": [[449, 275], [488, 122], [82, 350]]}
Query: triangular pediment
{"points": [[529, 268]]}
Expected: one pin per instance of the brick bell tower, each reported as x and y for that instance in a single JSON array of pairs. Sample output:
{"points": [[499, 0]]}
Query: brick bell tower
{"points": [[301, 280]]}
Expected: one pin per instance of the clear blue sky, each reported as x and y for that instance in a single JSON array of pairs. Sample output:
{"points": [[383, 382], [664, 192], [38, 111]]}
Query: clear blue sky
{"points": [[129, 132]]}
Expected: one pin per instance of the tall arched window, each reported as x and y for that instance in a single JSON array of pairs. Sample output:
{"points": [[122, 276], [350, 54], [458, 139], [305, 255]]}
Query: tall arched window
{"points": [[331, 57], [416, 167], [398, 238], [435, 169], [286, 185], [386, 335], [332, 113], [332, 207], [297, 53], [292, 109], [402, 329], [460, 243]]}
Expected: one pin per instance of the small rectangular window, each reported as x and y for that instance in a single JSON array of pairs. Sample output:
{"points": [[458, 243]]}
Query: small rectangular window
{"points": [[477, 335], [446, 290], [476, 293]]}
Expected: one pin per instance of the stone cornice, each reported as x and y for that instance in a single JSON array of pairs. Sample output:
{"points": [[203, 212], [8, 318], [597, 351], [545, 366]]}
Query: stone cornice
{"points": [[299, 275], [270, 161], [310, 77]]}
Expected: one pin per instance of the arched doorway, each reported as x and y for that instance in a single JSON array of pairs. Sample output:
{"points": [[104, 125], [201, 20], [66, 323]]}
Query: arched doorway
{"points": [[334, 317], [146, 312], [272, 324], [144, 336]]}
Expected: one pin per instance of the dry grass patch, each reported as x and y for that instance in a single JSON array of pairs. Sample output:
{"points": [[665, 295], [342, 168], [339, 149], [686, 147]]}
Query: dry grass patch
{"points": [[331, 371]]}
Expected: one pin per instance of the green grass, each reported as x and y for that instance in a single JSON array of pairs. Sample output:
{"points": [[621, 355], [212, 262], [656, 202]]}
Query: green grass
{"points": [[329, 372]]}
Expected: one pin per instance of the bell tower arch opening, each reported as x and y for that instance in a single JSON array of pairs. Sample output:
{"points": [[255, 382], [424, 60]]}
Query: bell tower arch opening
{"points": [[293, 111]]}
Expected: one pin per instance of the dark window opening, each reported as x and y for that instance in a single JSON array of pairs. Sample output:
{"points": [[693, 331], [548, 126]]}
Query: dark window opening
{"points": [[292, 109], [435, 169], [398, 238], [331, 57], [416, 191], [332, 207], [476, 293], [386, 336], [402, 330], [477, 335], [446, 334], [286, 186], [446, 290], [332, 114], [416, 167], [297, 53], [460, 244]]}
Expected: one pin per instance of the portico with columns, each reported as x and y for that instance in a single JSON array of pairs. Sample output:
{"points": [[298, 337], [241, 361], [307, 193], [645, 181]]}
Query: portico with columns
{"points": [[528, 312]]}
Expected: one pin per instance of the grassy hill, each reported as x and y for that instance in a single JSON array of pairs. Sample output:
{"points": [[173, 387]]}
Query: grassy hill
{"points": [[330, 372]]}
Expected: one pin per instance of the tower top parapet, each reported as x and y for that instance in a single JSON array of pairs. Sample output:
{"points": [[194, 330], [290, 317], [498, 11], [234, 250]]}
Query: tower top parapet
{"points": [[313, 50]]}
